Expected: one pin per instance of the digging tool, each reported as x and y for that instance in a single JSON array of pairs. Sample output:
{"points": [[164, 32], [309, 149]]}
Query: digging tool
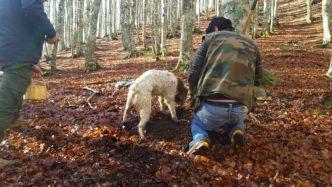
{"points": [[249, 18]]}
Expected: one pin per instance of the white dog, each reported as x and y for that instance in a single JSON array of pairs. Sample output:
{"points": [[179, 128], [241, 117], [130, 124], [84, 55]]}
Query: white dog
{"points": [[166, 85]]}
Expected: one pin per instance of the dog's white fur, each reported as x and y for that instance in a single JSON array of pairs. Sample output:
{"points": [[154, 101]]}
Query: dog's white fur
{"points": [[152, 82]]}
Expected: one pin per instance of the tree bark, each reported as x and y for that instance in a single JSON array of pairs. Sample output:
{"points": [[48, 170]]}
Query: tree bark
{"points": [[309, 11], [187, 28], [174, 19], [327, 21], [59, 26], [163, 28], [156, 31], [207, 9], [91, 63], [236, 11], [220, 8], [255, 21], [266, 17], [126, 28], [273, 14], [80, 28], [199, 9], [144, 12]]}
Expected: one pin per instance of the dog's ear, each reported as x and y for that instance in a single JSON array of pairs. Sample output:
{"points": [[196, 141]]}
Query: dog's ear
{"points": [[182, 92]]}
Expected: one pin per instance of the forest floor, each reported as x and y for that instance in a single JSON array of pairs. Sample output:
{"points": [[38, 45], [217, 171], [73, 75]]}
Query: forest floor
{"points": [[70, 143]]}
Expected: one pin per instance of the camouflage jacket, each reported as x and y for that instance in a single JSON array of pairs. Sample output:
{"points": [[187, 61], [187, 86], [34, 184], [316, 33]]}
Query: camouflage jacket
{"points": [[226, 63]]}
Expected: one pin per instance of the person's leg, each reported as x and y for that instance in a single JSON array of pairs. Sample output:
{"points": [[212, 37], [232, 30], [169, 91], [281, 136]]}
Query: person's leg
{"points": [[217, 118], [207, 118], [200, 138], [238, 127], [14, 83], [198, 131]]}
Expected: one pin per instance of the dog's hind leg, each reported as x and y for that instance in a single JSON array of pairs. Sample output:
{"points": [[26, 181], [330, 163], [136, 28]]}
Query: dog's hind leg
{"points": [[172, 108], [144, 112], [129, 103]]}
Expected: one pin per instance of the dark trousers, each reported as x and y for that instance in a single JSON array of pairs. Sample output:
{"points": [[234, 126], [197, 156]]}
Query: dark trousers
{"points": [[13, 85]]}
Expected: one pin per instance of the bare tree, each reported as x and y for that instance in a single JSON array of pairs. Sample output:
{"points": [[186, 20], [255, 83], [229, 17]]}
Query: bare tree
{"points": [[255, 21], [163, 28], [309, 11], [274, 8], [236, 11], [91, 63], [327, 21], [266, 17], [59, 26], [126, 28], [77, 48], [156, 31], [173, 18], [144, 20], [187, 28]]}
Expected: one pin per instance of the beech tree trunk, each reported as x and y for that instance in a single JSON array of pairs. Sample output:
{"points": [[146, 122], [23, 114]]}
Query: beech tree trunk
{"points": [[327, 21], [77, 50], [207, 8], [91, 63], [156, 30], [187, 28], [266, 17], [163, 28], [173, 19], [255, 21], [274, 7], [144, 12], [126, 28], [236, 11], [309, 11], [59, 26]]}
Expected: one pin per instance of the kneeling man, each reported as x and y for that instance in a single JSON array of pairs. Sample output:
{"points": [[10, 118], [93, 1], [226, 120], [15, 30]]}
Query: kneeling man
{"points": [[221, 77]]}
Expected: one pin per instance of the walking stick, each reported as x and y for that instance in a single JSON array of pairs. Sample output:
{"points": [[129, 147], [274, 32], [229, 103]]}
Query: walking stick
{"points": [[249, 18]]}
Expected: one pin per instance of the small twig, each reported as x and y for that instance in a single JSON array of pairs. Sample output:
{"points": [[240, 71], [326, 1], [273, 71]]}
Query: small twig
{"points": [[273, 180], [253, 117], [275, 177], [91, 89], [95, 92], [88, 101]]}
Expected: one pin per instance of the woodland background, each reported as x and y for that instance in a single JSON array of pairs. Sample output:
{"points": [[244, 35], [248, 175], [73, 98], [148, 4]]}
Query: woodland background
{"points": [[77, 137]]}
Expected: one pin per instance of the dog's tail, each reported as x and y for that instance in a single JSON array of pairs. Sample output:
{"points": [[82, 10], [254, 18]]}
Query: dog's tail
{"points": [[129, 103]]}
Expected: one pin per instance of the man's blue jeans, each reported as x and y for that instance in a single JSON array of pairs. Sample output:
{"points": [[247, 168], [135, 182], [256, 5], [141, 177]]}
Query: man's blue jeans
{"points": [[210, 117]]}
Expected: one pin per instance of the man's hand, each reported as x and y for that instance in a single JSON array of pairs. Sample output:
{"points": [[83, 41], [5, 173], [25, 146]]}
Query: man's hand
{"points": [[37, 73], [54, 40]]}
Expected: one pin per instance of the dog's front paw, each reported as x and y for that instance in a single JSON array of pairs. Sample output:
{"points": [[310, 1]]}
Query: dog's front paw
{"points": [[142, 138], [142, 133]]}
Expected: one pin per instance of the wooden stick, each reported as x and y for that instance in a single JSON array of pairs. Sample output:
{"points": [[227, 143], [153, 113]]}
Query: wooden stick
{"points": [[249, 18], [90, 89], [95, 92], [88, 102]]}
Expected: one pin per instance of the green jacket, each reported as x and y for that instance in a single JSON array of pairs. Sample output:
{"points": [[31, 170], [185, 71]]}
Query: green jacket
{"points": [[229, 64]]}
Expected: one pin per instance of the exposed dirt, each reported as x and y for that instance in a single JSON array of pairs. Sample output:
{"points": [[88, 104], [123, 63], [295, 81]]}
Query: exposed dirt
{"points": [[70, 143]]}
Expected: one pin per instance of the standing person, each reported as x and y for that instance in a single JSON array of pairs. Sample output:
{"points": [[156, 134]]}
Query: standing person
{"points": [[221, 79], [24, 27]]}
